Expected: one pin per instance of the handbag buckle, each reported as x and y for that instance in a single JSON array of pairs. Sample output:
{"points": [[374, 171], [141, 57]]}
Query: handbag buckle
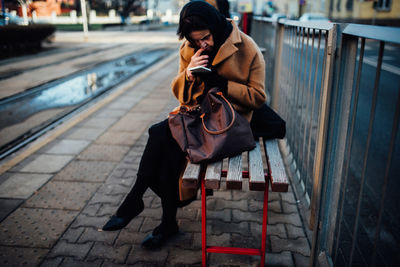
{"points": [[190, 109]]}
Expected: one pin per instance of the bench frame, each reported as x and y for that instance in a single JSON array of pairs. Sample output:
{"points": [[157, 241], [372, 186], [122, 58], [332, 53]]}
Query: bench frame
{"points": [[210, 176], [231, 250]]}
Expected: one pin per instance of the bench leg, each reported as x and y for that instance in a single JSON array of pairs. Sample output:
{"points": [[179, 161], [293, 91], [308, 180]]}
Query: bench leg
{"points": [[203, 224], [229, 250], [264, 224]]}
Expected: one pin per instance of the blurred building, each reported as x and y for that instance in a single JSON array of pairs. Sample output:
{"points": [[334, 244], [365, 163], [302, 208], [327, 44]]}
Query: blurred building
{"points": [[313, 6], [41, 7], [53, 8], [379, 12], [46, 8], [269, 7], [289, 7], [163, 7]]}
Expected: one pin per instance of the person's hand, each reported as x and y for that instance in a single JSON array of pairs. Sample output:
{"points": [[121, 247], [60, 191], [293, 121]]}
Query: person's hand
{"points": [[197, 60]]}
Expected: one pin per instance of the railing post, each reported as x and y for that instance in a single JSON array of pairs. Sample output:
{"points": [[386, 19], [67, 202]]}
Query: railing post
{"points": [[322, 125], [348, 67], [277, 66], [342, 87]]}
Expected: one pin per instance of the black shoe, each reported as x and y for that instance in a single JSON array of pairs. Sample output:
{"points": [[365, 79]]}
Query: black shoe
{"points": [[209, 192], [117, 223], [159, 236]]}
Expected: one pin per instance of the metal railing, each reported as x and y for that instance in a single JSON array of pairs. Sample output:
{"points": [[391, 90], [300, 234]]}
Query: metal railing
{"points": [[267, 36], [338, 88]]}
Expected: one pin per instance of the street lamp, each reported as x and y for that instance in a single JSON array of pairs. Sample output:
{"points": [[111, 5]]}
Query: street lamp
{"points": [[84, 19]]}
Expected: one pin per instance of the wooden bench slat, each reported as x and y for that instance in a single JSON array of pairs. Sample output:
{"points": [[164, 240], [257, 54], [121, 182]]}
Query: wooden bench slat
{"points": [[256, 169], [279, 180], [190, 178], [234, 177], [276, 171], [213, 175]]}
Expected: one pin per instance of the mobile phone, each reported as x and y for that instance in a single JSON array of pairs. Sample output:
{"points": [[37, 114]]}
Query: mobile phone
{"points": [[199, 69]]}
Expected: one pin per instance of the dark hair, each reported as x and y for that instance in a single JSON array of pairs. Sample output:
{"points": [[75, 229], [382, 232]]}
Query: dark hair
{"points": [[199, 15], [189, 24], [223, 7]]}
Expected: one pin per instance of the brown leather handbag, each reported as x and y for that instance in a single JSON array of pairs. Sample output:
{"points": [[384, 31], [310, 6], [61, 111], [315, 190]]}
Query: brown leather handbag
{"points": [[211, 131]]}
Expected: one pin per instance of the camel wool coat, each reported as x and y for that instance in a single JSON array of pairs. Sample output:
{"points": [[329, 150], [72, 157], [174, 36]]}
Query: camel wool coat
{"points": [[239, 60]]}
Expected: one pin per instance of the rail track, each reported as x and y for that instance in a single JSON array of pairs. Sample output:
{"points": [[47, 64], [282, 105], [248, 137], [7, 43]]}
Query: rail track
{"points": [[26, 116]]}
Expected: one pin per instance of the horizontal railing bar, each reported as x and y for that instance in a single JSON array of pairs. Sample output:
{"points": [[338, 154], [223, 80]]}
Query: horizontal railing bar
{"points": [[386, 34], [320, 25]]}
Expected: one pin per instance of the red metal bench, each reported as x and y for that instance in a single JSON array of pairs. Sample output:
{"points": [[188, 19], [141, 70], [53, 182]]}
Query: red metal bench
{"points": [[210, 177]]}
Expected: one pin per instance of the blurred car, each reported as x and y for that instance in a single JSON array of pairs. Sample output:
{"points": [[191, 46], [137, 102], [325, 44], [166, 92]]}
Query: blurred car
{"points": [[10, 19], [278, 16], [313, 17]]}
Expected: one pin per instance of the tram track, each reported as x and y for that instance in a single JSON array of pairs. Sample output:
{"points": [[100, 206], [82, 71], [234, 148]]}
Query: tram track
{"points": [[14, 72], [17, 128]]}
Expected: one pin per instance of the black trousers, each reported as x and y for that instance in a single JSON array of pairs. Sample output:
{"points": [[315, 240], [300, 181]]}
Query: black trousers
{"points": [[159, 170]]}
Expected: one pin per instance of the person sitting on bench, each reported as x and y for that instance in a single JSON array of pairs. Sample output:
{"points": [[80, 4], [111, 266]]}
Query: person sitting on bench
{"points": [[238, 69]]}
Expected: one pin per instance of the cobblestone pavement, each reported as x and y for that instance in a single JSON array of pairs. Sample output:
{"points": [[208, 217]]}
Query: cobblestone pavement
{"points": [[54, 201]]}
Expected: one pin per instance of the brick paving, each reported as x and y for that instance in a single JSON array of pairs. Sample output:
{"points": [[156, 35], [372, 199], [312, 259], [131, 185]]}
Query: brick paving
{"points": [[76, 182]]}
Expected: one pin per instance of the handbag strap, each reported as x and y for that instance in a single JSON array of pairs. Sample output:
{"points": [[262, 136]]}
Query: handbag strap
{"points": [[228, 127]]}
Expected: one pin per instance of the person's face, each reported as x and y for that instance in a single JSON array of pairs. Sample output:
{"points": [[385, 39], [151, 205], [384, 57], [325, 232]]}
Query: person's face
{"points": [[203, 39]]}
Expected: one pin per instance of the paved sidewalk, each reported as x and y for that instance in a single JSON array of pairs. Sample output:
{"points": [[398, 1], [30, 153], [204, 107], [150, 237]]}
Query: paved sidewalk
{"points": [[55, 200]]}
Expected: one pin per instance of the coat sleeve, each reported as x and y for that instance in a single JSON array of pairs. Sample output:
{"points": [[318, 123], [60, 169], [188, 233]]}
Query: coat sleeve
{"points": [[186, 92], [252, 94]]}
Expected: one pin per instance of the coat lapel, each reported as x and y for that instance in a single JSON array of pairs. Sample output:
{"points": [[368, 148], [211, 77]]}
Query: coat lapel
{"points": [[229, 47]]}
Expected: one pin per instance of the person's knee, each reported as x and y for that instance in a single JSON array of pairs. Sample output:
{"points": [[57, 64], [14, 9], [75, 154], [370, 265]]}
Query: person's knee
{"points": [[158, 128], [152, 129]]}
